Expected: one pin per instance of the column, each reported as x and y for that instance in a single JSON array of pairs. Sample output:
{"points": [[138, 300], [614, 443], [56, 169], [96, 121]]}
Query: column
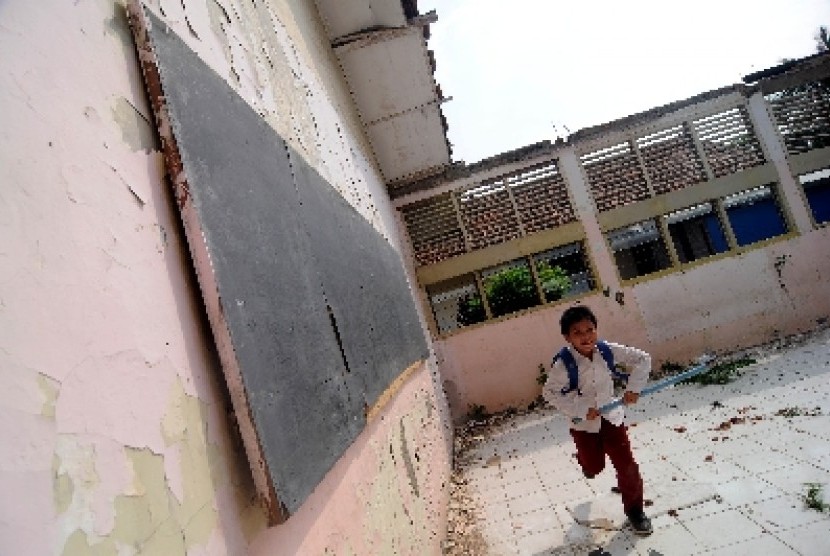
{"points": [[793, 197], [584, 207]]}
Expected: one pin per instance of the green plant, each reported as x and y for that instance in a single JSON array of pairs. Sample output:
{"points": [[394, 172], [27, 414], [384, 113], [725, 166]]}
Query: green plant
{"points": [[470, 310], [513, 289], [543, 375], [476, 412], [538, 403], [814, 499], [723, 373], [670, 367], [796, 411], [554, 280]]}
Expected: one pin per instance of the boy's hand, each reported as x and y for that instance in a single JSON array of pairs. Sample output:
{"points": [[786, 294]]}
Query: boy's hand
{"points": [[593, 413], [630, 398]]}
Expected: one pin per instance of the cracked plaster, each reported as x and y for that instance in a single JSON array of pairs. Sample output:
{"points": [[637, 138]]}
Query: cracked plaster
{"points": [[120, 441]]}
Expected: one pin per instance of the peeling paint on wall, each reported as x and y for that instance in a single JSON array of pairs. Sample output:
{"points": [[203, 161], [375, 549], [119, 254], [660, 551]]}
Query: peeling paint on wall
{"points": [[63, 487], [136, 129], [50, 388], [168, 500], [407, 460], [117, 432], [400, 506]]}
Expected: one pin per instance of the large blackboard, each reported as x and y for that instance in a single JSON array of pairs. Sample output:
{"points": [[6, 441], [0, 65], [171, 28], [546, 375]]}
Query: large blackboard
{"points": [[311, 298]]}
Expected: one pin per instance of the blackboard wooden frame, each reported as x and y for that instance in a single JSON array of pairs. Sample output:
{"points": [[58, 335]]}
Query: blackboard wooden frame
{"points": [[309, 305]]}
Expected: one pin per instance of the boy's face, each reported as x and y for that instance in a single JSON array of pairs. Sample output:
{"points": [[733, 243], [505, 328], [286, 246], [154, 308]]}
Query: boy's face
{"points": [[583, 337]]}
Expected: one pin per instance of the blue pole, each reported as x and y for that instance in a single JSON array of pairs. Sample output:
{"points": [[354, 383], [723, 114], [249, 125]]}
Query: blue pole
{"points": [[656, 387]]}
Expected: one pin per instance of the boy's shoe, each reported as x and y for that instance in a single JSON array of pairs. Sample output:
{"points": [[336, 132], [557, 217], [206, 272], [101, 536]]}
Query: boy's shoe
{"points": [[640, 523]]}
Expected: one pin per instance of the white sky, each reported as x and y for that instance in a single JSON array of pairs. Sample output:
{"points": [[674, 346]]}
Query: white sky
{"points": [[520, 71]]}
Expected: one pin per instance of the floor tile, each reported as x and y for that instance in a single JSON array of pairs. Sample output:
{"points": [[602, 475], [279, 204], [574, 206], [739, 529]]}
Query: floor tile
{"points": [[792, 479], [553, 477], [689, 458], [723, 528], [540, 542], [762, 462], [493, 513], [536, 522], [766, 545], [705, 508], [663, 473], [503, 548], [529, 503], [670, 541], [715, 471], [782, 513], [604, 512], [818, 426], [571, 492], [670, 498], [811, 450], [808, 540], [746, 490], [520, 484], [522, 473]]}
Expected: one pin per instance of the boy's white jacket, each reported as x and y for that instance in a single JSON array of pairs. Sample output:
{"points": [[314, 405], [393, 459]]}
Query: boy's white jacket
{"points": [[596, 384]]}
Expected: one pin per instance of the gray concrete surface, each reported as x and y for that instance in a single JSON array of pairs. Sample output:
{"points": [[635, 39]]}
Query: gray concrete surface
{"points": [[725, 467]]}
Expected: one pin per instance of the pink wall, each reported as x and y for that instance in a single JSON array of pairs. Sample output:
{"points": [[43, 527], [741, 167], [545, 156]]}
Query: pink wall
{"points": [[115, 428], [716, 306], [395, 465]]}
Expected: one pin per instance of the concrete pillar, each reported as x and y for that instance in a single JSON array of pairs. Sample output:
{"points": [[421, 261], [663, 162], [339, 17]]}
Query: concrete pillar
{"points": [[793, 196], [583, 205]]}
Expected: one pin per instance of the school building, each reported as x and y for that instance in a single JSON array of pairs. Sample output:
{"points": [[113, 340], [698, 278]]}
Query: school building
{"points": [[246, 292], [699, 226]]}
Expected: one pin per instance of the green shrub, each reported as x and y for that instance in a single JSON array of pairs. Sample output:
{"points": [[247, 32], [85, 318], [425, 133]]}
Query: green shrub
{"points": [[513, 289], [723, 373], [814, 499]]}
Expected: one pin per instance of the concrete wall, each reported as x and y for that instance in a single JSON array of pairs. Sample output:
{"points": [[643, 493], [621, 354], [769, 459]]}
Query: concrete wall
{"points": [[741, 298], [116, 430], [716, 306]]}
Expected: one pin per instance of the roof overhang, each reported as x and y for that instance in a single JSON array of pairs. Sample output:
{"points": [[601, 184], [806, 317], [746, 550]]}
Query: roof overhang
{"points": [[382, 50]]}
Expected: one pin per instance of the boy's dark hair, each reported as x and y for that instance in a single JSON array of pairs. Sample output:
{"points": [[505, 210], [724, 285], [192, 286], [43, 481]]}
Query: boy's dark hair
{"points": [[573, 315]]}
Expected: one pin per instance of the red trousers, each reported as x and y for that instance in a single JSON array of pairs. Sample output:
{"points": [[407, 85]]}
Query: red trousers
{"points": [[612, 440]]}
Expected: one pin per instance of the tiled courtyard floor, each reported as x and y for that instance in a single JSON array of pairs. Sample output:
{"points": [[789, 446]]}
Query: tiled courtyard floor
{"points": [[726, 467]]}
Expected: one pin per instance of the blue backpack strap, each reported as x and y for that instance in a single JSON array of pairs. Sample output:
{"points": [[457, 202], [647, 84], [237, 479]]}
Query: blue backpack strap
{"points": [[573, 371], [605, 351]]}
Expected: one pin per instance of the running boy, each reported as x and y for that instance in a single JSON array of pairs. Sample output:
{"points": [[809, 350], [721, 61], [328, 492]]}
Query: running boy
{"points": [[596, 435]]}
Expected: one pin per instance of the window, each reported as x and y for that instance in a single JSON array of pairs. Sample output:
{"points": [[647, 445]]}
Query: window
{"points": [[754, 215], [817, 190], [696, 232], [456, 303], [639, 249], [510, 287], [563, 272]]}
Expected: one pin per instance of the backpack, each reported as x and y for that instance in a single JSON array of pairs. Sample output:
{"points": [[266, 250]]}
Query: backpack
{"points": [[573, 370]]}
